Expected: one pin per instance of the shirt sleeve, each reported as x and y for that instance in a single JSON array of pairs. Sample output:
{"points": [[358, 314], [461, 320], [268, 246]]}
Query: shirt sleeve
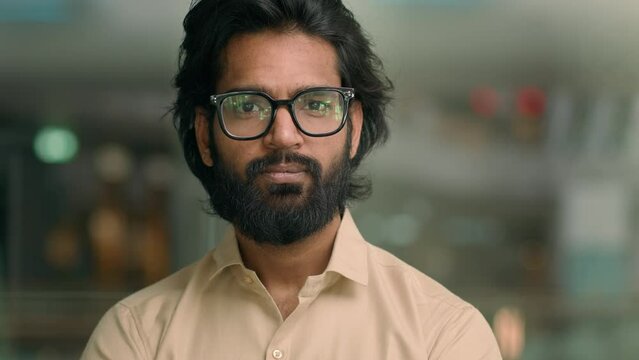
{"points": [[117, 336], [466, 336]]}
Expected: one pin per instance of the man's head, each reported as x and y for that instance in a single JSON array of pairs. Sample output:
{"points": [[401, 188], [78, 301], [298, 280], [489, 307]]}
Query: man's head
{"points": [[286, 184]]}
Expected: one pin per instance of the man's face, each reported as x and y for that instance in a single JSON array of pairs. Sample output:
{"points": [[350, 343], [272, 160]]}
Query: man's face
{"points": [[295, 171]]}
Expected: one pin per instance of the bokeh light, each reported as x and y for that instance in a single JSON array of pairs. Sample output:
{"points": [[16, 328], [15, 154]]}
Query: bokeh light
{"points": [[55, 145]]}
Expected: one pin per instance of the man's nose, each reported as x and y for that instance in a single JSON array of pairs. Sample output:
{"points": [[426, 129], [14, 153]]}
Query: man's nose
{"points": [[283, 133]]}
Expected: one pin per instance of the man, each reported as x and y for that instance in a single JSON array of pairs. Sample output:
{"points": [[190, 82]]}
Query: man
{"points": [[278, 102]]}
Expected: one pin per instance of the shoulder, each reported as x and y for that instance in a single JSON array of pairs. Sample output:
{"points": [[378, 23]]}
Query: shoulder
{"points": [[165, 291], [384, 266], [450, 327], [133, 327], [153, 307]]}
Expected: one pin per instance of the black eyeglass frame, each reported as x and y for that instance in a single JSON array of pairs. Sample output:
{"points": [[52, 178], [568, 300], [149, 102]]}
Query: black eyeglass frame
{"points": [[347, 95]]}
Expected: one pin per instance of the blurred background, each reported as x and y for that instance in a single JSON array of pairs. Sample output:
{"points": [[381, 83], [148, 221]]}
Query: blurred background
{"points": [[511, 175]]}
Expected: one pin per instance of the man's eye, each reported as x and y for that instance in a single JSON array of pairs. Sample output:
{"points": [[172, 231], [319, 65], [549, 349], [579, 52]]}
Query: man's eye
{"points": [[318, 106], [247, 107]]}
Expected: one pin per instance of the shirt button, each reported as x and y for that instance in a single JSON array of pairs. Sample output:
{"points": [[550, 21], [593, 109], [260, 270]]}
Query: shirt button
{"points": [[248, 280], [278, 354]]}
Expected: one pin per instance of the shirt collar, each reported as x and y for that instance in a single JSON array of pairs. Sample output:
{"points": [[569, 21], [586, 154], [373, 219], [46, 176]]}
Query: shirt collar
{"points": [[227, 253], [349, 256]]}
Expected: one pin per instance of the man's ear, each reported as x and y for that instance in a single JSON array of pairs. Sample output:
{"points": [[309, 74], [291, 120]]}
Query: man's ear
{"points": [[356, 116], [202, 135]]}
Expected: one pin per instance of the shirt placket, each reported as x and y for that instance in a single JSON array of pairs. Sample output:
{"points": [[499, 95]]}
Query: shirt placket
{"points": [[280, 346]]}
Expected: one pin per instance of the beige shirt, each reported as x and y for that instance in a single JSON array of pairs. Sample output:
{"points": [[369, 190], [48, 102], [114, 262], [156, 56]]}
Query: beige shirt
{"points": [[367, 305]]}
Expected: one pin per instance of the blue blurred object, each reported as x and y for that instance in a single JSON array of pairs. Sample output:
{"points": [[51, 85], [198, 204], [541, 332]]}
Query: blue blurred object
{"points": [[595, 272], [45, 11]]}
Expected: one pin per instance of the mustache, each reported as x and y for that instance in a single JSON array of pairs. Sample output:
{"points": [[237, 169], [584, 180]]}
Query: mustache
{"points": [[259, 165]]}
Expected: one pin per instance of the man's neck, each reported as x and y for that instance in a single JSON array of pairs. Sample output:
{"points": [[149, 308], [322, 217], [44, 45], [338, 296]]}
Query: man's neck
{"points": [[283, 269]]}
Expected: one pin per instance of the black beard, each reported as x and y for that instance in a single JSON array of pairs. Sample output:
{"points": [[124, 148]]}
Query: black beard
{"points": [[282, 214]]}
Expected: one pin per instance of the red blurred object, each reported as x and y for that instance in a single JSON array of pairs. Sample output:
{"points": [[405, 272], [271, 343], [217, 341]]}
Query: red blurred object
{"points": [[531, 102], [484, 101]]}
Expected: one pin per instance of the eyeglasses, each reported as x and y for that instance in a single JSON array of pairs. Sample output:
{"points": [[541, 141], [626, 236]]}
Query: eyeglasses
{"points": [[248, 115]]}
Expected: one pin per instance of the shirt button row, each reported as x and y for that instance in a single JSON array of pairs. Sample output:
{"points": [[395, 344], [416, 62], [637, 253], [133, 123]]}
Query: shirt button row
{"points": [[278, 354]]}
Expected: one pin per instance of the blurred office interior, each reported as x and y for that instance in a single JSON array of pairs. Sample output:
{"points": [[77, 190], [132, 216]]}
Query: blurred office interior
{"points": [[511, 175]]}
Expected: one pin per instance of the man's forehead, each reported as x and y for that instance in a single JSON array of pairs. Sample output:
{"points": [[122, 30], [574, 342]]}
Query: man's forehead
{"points": [[278, 34], [278, 63]]}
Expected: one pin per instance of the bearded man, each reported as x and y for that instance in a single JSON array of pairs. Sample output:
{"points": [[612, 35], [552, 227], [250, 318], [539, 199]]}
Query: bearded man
{"points": [[278, 103]]}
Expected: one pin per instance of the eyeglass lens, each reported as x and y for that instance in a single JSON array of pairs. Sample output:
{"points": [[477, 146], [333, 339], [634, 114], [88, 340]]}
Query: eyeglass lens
{"points": [[317, 112]]}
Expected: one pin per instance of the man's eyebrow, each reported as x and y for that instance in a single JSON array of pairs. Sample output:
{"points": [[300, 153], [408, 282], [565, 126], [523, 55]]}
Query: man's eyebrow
{"points": [[269, 91], [299, 89], [247, 88]]}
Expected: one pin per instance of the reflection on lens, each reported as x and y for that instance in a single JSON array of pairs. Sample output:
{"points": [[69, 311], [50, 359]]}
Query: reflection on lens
{"points": [[319, 112], [246, 115]]}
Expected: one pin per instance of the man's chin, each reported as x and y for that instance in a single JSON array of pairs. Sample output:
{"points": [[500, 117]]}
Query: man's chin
{"points": [[285, 197], [286, 190]]}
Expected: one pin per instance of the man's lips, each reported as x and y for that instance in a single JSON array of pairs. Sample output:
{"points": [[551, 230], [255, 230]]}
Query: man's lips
{"points": [[285, 173]]}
